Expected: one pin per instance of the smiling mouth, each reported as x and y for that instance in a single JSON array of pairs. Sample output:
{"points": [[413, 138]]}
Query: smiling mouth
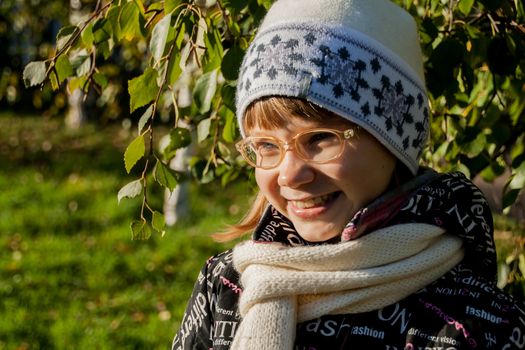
{"points": [[314, 202]]}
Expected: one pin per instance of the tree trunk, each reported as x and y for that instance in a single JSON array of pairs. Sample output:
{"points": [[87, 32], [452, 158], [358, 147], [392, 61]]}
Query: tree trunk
{"points": [[76, 115], [176, 203]]}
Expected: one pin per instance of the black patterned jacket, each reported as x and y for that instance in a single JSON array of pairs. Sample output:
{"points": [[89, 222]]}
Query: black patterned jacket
{"points": [[461, 310]]}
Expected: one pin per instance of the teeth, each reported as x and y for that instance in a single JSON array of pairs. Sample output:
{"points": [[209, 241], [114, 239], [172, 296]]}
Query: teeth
{"points": [[310, 203]]}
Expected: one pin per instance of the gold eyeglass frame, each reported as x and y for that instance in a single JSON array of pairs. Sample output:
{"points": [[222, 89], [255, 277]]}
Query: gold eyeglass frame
{"points": [[290, 144]]}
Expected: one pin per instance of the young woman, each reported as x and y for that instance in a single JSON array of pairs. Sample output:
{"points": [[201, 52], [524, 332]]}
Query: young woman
{"points": [[353, 244]]}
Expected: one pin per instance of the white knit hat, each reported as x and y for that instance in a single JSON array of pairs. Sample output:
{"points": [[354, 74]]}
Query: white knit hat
{"points": [[357, 58]]}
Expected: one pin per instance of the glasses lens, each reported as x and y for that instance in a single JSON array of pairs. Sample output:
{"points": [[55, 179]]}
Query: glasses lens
{"points": [[262, 152], [319, 145]]}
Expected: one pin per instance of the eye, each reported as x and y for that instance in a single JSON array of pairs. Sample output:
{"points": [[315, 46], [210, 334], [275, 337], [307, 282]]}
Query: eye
{"points": [[265, 147], [322, 138]]}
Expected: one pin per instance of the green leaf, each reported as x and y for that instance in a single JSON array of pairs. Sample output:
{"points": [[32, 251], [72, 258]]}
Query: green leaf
{"points": [[231, 62], [144, 118], [174, 69], [105, 48], [129, 21], [155, 6], [165, 176], [265, 3], [517, 109], [64, 68], [113, 18], [520, 8], [228, 96], [87, 36], [234, 6], [53, 79], [204, 91], [101, 80], [224, 150], [174, 65], [170, 5], [230, 127], [503, 275], [229, 176], [34, 73], [185, 55], [181, 32], [461, 168], [203, 129], [63, 36], [134, 152], [518, 179], [429, 31], [81, 62], [76, 83], [179, 138], [465, 6], [491, 172], [102, 31], [257, 11], [514, 186], [521, 264], [509, 197], [131, 190], [158, 222], [143, 89], [473, 31], [140, 230], [233, 26], [475, 147], [202, 172], [159, 36], [214, 50], [519, 159]]}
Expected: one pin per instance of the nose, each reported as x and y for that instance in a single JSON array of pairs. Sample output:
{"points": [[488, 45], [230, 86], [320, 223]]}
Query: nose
{"points": [[294, 171]]}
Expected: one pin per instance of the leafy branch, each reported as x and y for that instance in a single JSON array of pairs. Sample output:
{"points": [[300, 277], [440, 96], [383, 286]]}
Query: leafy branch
{"points": [[475, 72], [36, 72]]}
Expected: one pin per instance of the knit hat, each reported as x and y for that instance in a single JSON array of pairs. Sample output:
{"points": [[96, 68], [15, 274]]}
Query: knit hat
{"points": [[360, 59]]}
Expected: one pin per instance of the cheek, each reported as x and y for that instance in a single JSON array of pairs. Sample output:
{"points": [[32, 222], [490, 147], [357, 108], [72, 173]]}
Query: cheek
{"points": [[267, 182], [269, 188], [260, 175], [368, 171]]}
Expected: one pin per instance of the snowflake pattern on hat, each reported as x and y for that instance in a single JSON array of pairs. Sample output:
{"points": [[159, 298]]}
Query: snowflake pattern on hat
{"points": [[344, 72]]}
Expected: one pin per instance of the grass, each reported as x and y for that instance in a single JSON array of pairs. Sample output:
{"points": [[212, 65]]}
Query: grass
{"points": [[70, 275]]}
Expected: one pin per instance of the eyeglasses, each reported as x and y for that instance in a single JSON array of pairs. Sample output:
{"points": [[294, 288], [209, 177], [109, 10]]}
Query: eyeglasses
{"points": [[315, 146]]}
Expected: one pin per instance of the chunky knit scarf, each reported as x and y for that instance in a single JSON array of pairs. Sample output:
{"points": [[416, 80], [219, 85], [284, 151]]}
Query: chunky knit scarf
{"points": [[285, 285]]}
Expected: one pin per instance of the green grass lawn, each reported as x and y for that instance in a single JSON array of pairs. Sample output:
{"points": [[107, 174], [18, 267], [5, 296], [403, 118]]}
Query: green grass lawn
{"points": [[70, 275]]}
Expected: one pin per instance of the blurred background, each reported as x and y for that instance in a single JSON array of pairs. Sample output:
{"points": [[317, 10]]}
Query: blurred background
{"points": [[70, 274]]}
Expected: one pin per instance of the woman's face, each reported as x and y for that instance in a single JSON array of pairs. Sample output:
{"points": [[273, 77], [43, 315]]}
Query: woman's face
{"points": [[320, 199]]}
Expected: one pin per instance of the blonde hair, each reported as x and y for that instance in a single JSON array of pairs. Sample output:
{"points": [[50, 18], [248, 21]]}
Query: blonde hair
{"points": [[269, 113]]}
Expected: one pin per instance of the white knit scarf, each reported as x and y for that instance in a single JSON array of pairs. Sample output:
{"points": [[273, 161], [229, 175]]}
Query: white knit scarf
{"points": [[285, 285]]}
